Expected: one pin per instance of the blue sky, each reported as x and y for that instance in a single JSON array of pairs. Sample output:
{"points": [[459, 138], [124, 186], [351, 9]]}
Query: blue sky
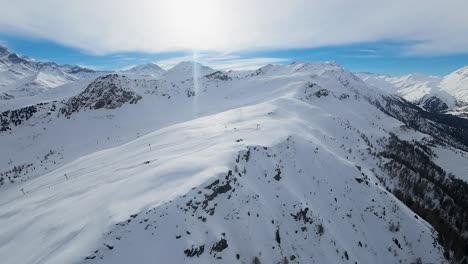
{"points": [[393, 37], [379, 57]]}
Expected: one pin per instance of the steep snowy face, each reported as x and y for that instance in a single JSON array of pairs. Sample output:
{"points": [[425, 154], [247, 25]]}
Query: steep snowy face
{"points": [[294, 164], [150, 70], [8, 57], [12, 68], [21, 76], [456, 84], [415, 87]]}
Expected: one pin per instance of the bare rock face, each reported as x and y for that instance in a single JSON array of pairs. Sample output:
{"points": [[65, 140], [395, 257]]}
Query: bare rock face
{"points": [[108, 92], [219, 75], [434, 104]]}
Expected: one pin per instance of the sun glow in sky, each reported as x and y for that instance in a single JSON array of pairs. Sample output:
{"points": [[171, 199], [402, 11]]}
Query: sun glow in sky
{"points": [[400, 34], [192, 21]]}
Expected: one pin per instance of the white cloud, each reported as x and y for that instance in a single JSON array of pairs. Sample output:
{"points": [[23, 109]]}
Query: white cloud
{"points": [[223, 62], [127, 59], [110, 26]]}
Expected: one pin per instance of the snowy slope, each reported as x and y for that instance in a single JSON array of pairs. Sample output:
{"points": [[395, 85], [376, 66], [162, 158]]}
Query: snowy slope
{"points": [[147, 178], [293, 209], [456, 84], [175, 169]]}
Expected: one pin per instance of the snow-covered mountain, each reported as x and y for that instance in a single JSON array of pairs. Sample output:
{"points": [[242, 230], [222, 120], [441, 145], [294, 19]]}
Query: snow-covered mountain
{"points": [[21, 76], [149, 69], [438, 94], [301, 163], [185, 71], [412, 87], [456, 84]]}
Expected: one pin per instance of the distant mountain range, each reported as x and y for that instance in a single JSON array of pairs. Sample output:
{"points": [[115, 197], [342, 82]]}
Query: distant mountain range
{"points": [[448, 94], [21, 76]]}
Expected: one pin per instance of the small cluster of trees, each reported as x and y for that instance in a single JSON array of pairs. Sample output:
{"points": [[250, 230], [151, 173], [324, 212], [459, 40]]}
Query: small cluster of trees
{"points": [[14, 173], [16, 117]]}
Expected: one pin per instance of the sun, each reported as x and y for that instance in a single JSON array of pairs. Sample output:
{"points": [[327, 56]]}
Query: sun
{"points": [[196, 21]]}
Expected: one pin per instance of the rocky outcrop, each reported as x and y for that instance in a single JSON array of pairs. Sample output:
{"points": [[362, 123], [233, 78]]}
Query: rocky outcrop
{"points": [[434, 104], [108, 92]]}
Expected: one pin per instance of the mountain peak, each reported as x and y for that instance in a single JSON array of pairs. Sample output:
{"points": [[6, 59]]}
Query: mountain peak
{"points": [[298, 67], [147, 65], [186, 70], [4, 50], [456, 84], [150, 69], [189, 65], [11, 56]]}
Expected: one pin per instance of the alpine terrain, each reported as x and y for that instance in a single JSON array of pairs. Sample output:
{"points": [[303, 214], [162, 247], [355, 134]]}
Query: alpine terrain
{"points": [[297, 163]]}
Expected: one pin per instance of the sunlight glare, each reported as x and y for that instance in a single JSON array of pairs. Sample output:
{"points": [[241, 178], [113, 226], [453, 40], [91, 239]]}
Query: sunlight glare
{"points": [[195, 20]]}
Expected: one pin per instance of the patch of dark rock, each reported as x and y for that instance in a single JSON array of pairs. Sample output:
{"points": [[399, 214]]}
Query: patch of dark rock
{"points": [[322, 93], [278, 174], [277, 236], [216, 191], [210, 186], [195, 251], [302, 216], [220, 245], [109, 246]]}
